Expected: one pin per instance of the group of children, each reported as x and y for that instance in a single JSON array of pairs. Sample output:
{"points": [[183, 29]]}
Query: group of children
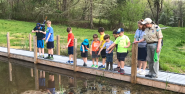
{"points": [[103, 47]]}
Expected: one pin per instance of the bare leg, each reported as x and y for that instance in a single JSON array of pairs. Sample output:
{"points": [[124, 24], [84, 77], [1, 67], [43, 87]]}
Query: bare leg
{"points": [[39, 51], [51, 51], [139, 64], [96, 61], [71, 57], [119, 64], [85, 60], [43, 74], [40, 74], [122, 64], [42, 51], [103, 61], [93, 61], [144, 64]]}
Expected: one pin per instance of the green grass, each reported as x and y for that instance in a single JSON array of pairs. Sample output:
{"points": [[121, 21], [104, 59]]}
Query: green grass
{"points": [[171, 58]]}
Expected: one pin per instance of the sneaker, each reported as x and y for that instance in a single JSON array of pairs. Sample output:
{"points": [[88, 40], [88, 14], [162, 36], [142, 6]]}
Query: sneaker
{"points": [[68, 61], [122, 71], [139, 71], [92, 66], [119, 70], [96, 66], [47, 57], [101, 67], [143, 72], [85, 65], [39, 56], [51, 58], [43, 56], [71, 62], [116, 69]]}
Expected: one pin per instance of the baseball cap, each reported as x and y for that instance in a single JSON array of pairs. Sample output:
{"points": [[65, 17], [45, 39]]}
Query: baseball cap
{"points": [[38, 25], [147, 21], [120, 30], [86, 42]]}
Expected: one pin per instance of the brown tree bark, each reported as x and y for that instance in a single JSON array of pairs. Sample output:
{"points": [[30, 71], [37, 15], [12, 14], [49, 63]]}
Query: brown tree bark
{"points": [[91, 14]]}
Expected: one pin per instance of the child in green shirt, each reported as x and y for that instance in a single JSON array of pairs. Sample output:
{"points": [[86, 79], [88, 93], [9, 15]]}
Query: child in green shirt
{"points": [[123, 43]]}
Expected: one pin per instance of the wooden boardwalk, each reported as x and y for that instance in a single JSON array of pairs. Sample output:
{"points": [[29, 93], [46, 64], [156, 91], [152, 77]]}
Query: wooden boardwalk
{"points": [[166, 80]]}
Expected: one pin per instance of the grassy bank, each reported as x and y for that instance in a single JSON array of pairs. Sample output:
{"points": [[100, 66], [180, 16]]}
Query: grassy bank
{"points": [[171, 58]]}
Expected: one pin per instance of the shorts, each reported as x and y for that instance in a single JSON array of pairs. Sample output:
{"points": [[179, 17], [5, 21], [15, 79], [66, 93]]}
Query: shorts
{"points": [[50, 45], [109, 57], [70, 50], [121, 56], [52, 90], [40, 43], [41, 81], [95, 54], [84, 54], [142, 53], [103, 53]]}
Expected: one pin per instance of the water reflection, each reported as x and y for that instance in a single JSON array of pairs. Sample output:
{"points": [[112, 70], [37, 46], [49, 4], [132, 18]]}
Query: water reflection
{"points": [[50, 80]]}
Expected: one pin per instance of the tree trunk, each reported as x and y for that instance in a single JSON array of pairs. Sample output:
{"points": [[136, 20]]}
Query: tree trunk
{"points": [[91, 14], [57, 3], [64, 5], [157, 16]]}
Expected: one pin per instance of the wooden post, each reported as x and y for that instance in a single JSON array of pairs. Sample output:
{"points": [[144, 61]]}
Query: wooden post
{"points": [[36, 78], [35, 49], [134, 63], [30, 47], [59, 79], [8, 45], [10, 70], [58, 45], [75, 54]]}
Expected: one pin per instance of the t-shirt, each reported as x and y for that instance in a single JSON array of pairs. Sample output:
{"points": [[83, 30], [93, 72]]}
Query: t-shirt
{"points": [[70, 36], [122, 41], [95, 44], [107, 45], [138, 36], [102, 39], [39, 35], [50, 30], [81, 49]]}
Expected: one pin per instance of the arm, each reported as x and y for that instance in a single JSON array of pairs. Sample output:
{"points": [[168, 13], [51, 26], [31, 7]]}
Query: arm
{"points": [[159, 45], [48, 37], [33, 31], [99, 45], [43, 32], [140, 41], [91, 50], [111, 46], [68, 43], [83, 48], [100, 50], [128, 45], [86, 48]]}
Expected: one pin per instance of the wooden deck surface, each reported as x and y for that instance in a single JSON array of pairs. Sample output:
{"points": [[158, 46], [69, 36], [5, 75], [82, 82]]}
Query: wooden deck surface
{"points": [[176, 81]]}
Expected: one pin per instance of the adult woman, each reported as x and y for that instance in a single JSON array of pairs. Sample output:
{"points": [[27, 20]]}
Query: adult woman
{"points": [[142, 50]]}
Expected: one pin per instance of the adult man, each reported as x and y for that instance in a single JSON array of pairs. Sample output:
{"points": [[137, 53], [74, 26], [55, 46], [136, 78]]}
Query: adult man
{"points": [[153, 37], [40, 33]]}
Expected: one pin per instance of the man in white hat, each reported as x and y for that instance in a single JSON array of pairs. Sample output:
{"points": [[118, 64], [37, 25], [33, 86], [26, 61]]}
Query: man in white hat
{"points": [[153, 37]]}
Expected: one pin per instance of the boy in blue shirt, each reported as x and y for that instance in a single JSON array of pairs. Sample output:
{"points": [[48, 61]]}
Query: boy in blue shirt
{"points": [[50, 40], [84, 51], [109, 53]]}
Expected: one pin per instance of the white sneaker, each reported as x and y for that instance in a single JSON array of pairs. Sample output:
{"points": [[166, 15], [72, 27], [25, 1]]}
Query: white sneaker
{"points": [[139, 71], [143, 72]]}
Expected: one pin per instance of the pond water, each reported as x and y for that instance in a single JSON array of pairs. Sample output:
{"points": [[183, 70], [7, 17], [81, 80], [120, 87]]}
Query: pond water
{"points": [[20, 77]]}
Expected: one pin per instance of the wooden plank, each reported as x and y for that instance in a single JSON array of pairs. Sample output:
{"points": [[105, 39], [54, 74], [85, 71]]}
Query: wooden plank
{"points": [[3, 54], [134, 63], [31, 72], [75, 54], [35, 49], [58, 45], [30, 44], [8, 45]]}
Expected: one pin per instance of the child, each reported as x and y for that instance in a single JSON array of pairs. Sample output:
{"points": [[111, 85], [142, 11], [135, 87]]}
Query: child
{"points": [[115, 36], [93, 51], [70, 44], [40, 33], [123, 43], [103, 52], [50, 40], [109, 54], [84, 51]]}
